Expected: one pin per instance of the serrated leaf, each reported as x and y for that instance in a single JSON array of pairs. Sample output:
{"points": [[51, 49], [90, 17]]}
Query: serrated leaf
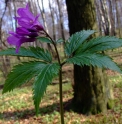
{"points": [[42, 80], [75, 41], [60, 40], [22, 73], [29, 52], [100, 44], [44, 39], [98, 60], [42, 54]]}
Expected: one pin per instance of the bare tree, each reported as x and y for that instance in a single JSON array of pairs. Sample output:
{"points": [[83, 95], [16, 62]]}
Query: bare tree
{"points": [[111, 16], [53, 21], [61, 19], [1, 20]]}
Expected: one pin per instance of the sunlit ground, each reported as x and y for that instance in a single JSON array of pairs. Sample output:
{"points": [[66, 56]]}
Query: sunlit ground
{"points": [[17, 107]]}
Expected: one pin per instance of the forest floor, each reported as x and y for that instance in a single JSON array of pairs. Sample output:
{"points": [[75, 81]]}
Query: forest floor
{"points": [[17, 107]]}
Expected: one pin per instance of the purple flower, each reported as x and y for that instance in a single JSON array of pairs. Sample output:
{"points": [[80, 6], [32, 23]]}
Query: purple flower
{"points": [[16, 40], [28, 30], [25, 32], [27, 19]]}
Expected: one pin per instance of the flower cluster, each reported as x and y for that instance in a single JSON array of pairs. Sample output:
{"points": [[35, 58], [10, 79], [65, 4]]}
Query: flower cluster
{"points": [[28, 29]]}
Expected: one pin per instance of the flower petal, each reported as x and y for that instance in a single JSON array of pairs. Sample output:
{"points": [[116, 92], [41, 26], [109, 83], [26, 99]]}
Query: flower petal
{"points": [[25, 22], [22, 31], [36, 24], [27, 19], [12, 40], [25, 13]]}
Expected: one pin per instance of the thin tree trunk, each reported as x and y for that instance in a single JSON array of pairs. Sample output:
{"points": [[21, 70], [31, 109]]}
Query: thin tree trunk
{"points": [[43, 16], [4, 68], [45, 24], [61, 22], [1, 20], [99, 17], [112, 23], [118, 19], [53, 21], [61, 19], [9, 8], [105, 15], [15, 12]]}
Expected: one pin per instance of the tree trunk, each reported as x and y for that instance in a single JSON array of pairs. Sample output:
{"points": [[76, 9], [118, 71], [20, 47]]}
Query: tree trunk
{"points": [[45, 24], [53, 21], [92, 92], [61, 19], [118, 19], [61, 23]]}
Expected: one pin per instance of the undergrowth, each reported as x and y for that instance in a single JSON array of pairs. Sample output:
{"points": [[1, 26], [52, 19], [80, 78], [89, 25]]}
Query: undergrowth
{"points": [[17, 107]]}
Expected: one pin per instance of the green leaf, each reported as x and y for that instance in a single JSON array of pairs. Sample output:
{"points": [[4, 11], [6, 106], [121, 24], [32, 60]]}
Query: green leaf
{"points": [[60, 40], [100, 44], [75, 41], [22, 73], [30, 52], [42, 54], [44, 39], [42, 80], [98, 60]]}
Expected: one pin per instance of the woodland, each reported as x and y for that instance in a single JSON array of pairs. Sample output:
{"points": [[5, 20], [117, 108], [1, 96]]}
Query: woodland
{"points": [[91, 95]]}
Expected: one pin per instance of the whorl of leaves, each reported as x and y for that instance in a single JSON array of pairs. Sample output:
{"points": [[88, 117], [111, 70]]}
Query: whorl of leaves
{"points": [[88, 52]]}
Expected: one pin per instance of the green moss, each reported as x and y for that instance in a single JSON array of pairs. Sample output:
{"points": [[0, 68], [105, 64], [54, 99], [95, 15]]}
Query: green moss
{"points": [[110, 104]]}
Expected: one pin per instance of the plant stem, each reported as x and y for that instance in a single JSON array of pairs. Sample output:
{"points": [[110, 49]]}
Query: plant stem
{"points": [[60, 79], [61, 100]]}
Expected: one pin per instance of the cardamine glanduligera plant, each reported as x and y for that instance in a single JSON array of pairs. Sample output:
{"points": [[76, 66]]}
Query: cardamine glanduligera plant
{"points": [[77, 48]]}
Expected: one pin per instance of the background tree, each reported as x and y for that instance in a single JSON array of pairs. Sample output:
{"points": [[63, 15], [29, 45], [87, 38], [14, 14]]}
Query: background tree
{"points": [[92, 92], [53, 20]]}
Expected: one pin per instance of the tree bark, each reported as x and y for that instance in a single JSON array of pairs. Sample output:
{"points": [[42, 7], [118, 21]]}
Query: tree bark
{"points": [[92, 92]]}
